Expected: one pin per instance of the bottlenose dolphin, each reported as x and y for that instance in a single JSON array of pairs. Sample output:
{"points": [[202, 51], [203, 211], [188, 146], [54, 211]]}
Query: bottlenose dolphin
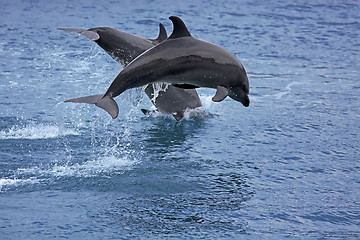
{"points": [[125, 47], [181, 59], [172, 99]]}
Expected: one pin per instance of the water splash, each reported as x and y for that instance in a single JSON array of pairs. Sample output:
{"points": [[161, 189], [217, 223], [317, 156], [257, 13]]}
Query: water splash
{"points": [[158, 87], [36, 131], [13, 182], [105, 165]]}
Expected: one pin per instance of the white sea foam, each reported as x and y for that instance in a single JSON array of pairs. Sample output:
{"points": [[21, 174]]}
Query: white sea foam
{"points": [[104, 165], [206, 102], [107, 164], [33, 131], [286, 91], [7, 182], [38, 174], [199, 112]]}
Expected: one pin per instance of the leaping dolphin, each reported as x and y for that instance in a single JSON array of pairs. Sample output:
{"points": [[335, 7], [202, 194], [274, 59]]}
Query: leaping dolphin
{"points": [[122, 46], [125, 47], [183, 60]]}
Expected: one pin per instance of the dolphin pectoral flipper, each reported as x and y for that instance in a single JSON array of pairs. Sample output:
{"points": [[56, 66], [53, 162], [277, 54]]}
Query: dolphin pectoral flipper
{"points": [[105, 102], [221, 94], [89, 34]]}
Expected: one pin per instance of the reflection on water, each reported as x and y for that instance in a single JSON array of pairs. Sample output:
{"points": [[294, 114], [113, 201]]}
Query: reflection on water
{"points": [[165, 134]]}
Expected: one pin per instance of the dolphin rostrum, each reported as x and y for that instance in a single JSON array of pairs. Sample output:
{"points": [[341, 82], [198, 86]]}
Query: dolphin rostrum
{"points": [[183, 60], [125, 47]]}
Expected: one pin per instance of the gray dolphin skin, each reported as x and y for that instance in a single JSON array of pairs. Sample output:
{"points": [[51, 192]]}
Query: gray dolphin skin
{"points": [[183, 60], [181, 100], [125, 47]]}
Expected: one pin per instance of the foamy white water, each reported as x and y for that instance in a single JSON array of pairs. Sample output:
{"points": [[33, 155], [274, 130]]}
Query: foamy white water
{"points": [[6, 182], [36, 131], [104, 165]]}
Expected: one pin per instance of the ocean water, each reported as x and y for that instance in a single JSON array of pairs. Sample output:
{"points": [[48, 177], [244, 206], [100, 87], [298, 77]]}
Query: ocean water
{"points": [[287, 167]]}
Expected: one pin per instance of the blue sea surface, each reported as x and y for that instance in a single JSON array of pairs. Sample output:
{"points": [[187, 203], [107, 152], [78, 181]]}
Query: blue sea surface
{"points": [[286, 167]]}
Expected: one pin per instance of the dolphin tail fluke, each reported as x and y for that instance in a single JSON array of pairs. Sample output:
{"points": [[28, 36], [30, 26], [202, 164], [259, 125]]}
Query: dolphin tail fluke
{"points": [[108, 104], [105, 102], [87, 33], [88, 99]]}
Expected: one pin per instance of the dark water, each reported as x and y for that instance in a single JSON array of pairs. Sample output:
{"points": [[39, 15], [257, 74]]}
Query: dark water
{"points": [[286, 167]]}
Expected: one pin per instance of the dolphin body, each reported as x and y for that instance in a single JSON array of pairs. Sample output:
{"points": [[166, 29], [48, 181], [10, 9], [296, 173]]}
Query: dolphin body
{"points": [[182, 60], [125, 47]]}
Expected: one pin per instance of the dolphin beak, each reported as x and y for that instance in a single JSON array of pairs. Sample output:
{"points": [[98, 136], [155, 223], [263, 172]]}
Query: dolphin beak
{"points": [[240, 96], [246, 101]]}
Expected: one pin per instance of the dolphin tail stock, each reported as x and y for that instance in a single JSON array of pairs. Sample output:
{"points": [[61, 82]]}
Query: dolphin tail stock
{"points": [[87, 33], [105, 102]]}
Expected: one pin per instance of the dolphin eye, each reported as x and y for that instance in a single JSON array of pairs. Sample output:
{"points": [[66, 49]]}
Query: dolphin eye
{"points": [[244, 87]]}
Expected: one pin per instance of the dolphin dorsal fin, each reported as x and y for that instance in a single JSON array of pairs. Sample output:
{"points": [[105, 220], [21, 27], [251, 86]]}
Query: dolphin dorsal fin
{"points": [[180, 30], [162, 34]]}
